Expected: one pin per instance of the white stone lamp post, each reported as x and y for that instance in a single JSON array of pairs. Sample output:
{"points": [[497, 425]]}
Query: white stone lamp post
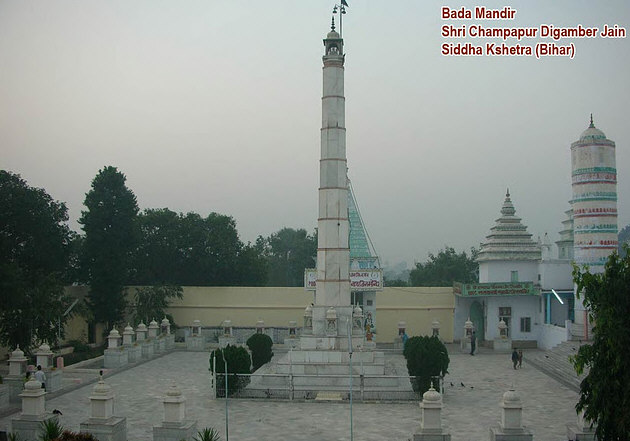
{"points": [[141, 332], [134, 351], [260, 326], [102, 422], [228, 337], [44, 356], [511, 428], [331, 322], [308, 320], [468, 329], [153, 329], [402, 327], [502, 343], [435, 328], [227, 328], [431, 426]]}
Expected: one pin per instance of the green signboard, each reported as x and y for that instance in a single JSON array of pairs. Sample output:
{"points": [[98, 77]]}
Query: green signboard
{"points": [[495, 289]]}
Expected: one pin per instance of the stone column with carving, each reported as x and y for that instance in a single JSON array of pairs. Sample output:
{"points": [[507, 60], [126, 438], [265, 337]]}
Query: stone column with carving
{"points": [[134, 351], [502, 343], [195, 341], [166, 334], [141, 338], [228, 337], [102, 422], [175, 427], [468, 329]]}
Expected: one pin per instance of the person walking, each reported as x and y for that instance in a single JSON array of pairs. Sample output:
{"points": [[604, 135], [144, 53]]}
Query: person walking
{"points": [[40, 376], [473, 343], [520, 358], [514, 358]]}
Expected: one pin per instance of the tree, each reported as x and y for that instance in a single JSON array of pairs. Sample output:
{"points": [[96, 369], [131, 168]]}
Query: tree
{"points": [[260, 346], [149, 302], [191, 250], [445, 268], [110, 238], [34, 253], [605, 391], [427, 357], [288, 253]]}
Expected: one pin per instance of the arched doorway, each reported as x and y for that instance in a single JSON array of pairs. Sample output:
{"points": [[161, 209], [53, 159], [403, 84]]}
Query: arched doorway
{"points": [[476, 316]]}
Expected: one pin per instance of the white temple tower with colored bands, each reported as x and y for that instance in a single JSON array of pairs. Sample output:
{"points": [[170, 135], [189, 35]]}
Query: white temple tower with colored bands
{"points": [[594, 202]]}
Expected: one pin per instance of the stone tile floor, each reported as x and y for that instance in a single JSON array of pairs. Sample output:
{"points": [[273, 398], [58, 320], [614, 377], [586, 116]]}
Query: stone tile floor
{"points": [[469, 410]]}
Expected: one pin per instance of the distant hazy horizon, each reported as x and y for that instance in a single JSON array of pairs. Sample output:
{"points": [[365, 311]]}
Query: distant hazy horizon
{"points": [[215, 106]]}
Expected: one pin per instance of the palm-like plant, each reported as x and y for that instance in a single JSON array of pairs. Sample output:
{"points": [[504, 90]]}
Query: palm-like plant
{"points": [[207, 434], [50, 430]]}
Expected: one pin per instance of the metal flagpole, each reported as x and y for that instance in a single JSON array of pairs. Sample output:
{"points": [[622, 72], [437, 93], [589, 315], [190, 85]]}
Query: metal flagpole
{"points": [[227, 432], [350, 356]]}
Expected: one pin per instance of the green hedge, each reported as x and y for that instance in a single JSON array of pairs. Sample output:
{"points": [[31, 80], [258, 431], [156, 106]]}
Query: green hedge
{"points": [[426, 357], [238, 362], [260, 345]]}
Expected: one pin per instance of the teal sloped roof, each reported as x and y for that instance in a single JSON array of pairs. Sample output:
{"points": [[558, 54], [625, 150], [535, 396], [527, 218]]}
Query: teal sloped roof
{"points": [[359, 246]]}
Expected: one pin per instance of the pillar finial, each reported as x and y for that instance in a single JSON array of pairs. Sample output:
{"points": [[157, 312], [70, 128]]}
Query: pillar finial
{"points": [[332, 26], [592, 125], [507, 193]]}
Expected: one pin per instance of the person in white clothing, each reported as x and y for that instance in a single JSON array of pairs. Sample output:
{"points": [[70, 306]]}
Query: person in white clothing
{"points": [[40, 376]]}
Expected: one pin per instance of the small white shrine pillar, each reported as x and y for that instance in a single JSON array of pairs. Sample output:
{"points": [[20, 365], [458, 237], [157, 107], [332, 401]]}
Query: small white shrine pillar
{"points": [[402, 328], [166, 326], [331, 322], [153, 329], [502, 343], [44, 356], [174, 427], [17, 363], [141, 332], [102, 422], [196, 327], [435, 328], [195, 341], [468, 330], [357, 321], [511, 428], [260, 326], [127, 339], [431, 426], [308, 320], [134, 350], [28, 424], [292, 328], [17, 370], [115, 356]]}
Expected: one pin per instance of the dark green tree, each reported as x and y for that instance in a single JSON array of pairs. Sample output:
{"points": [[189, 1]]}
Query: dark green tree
{"points": [[445, 268], [427, 357], [111, 236], [605, 391], [238, 362], [191, 250], [260, 346], [34, 254], [288, 253]]}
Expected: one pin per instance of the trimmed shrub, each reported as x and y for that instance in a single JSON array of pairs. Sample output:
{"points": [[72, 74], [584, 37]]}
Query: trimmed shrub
{"points": [[260, 345], [426, 357], [238, 362]]}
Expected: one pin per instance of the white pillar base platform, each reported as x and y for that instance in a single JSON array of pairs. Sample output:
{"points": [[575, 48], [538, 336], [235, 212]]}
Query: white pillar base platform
{"points": [[185, 430], [112, 429]]}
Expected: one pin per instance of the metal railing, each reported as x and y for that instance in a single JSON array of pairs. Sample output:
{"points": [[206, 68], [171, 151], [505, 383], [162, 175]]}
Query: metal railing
{"points": [[319, 387]]}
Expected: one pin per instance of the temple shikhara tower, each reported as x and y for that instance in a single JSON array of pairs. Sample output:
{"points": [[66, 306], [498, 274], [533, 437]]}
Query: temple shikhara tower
{"points": [[594, 204]]}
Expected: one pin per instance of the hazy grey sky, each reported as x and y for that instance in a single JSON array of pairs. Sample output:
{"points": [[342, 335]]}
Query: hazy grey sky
{"points": [[216, 106]]}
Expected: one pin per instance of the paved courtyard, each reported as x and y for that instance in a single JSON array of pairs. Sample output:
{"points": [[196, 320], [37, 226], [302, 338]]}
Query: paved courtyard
{"points": [[469, 410]]}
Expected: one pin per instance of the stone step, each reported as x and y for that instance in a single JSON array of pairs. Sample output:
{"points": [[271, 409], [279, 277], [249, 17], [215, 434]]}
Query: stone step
{"points": [[556, 363]]}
